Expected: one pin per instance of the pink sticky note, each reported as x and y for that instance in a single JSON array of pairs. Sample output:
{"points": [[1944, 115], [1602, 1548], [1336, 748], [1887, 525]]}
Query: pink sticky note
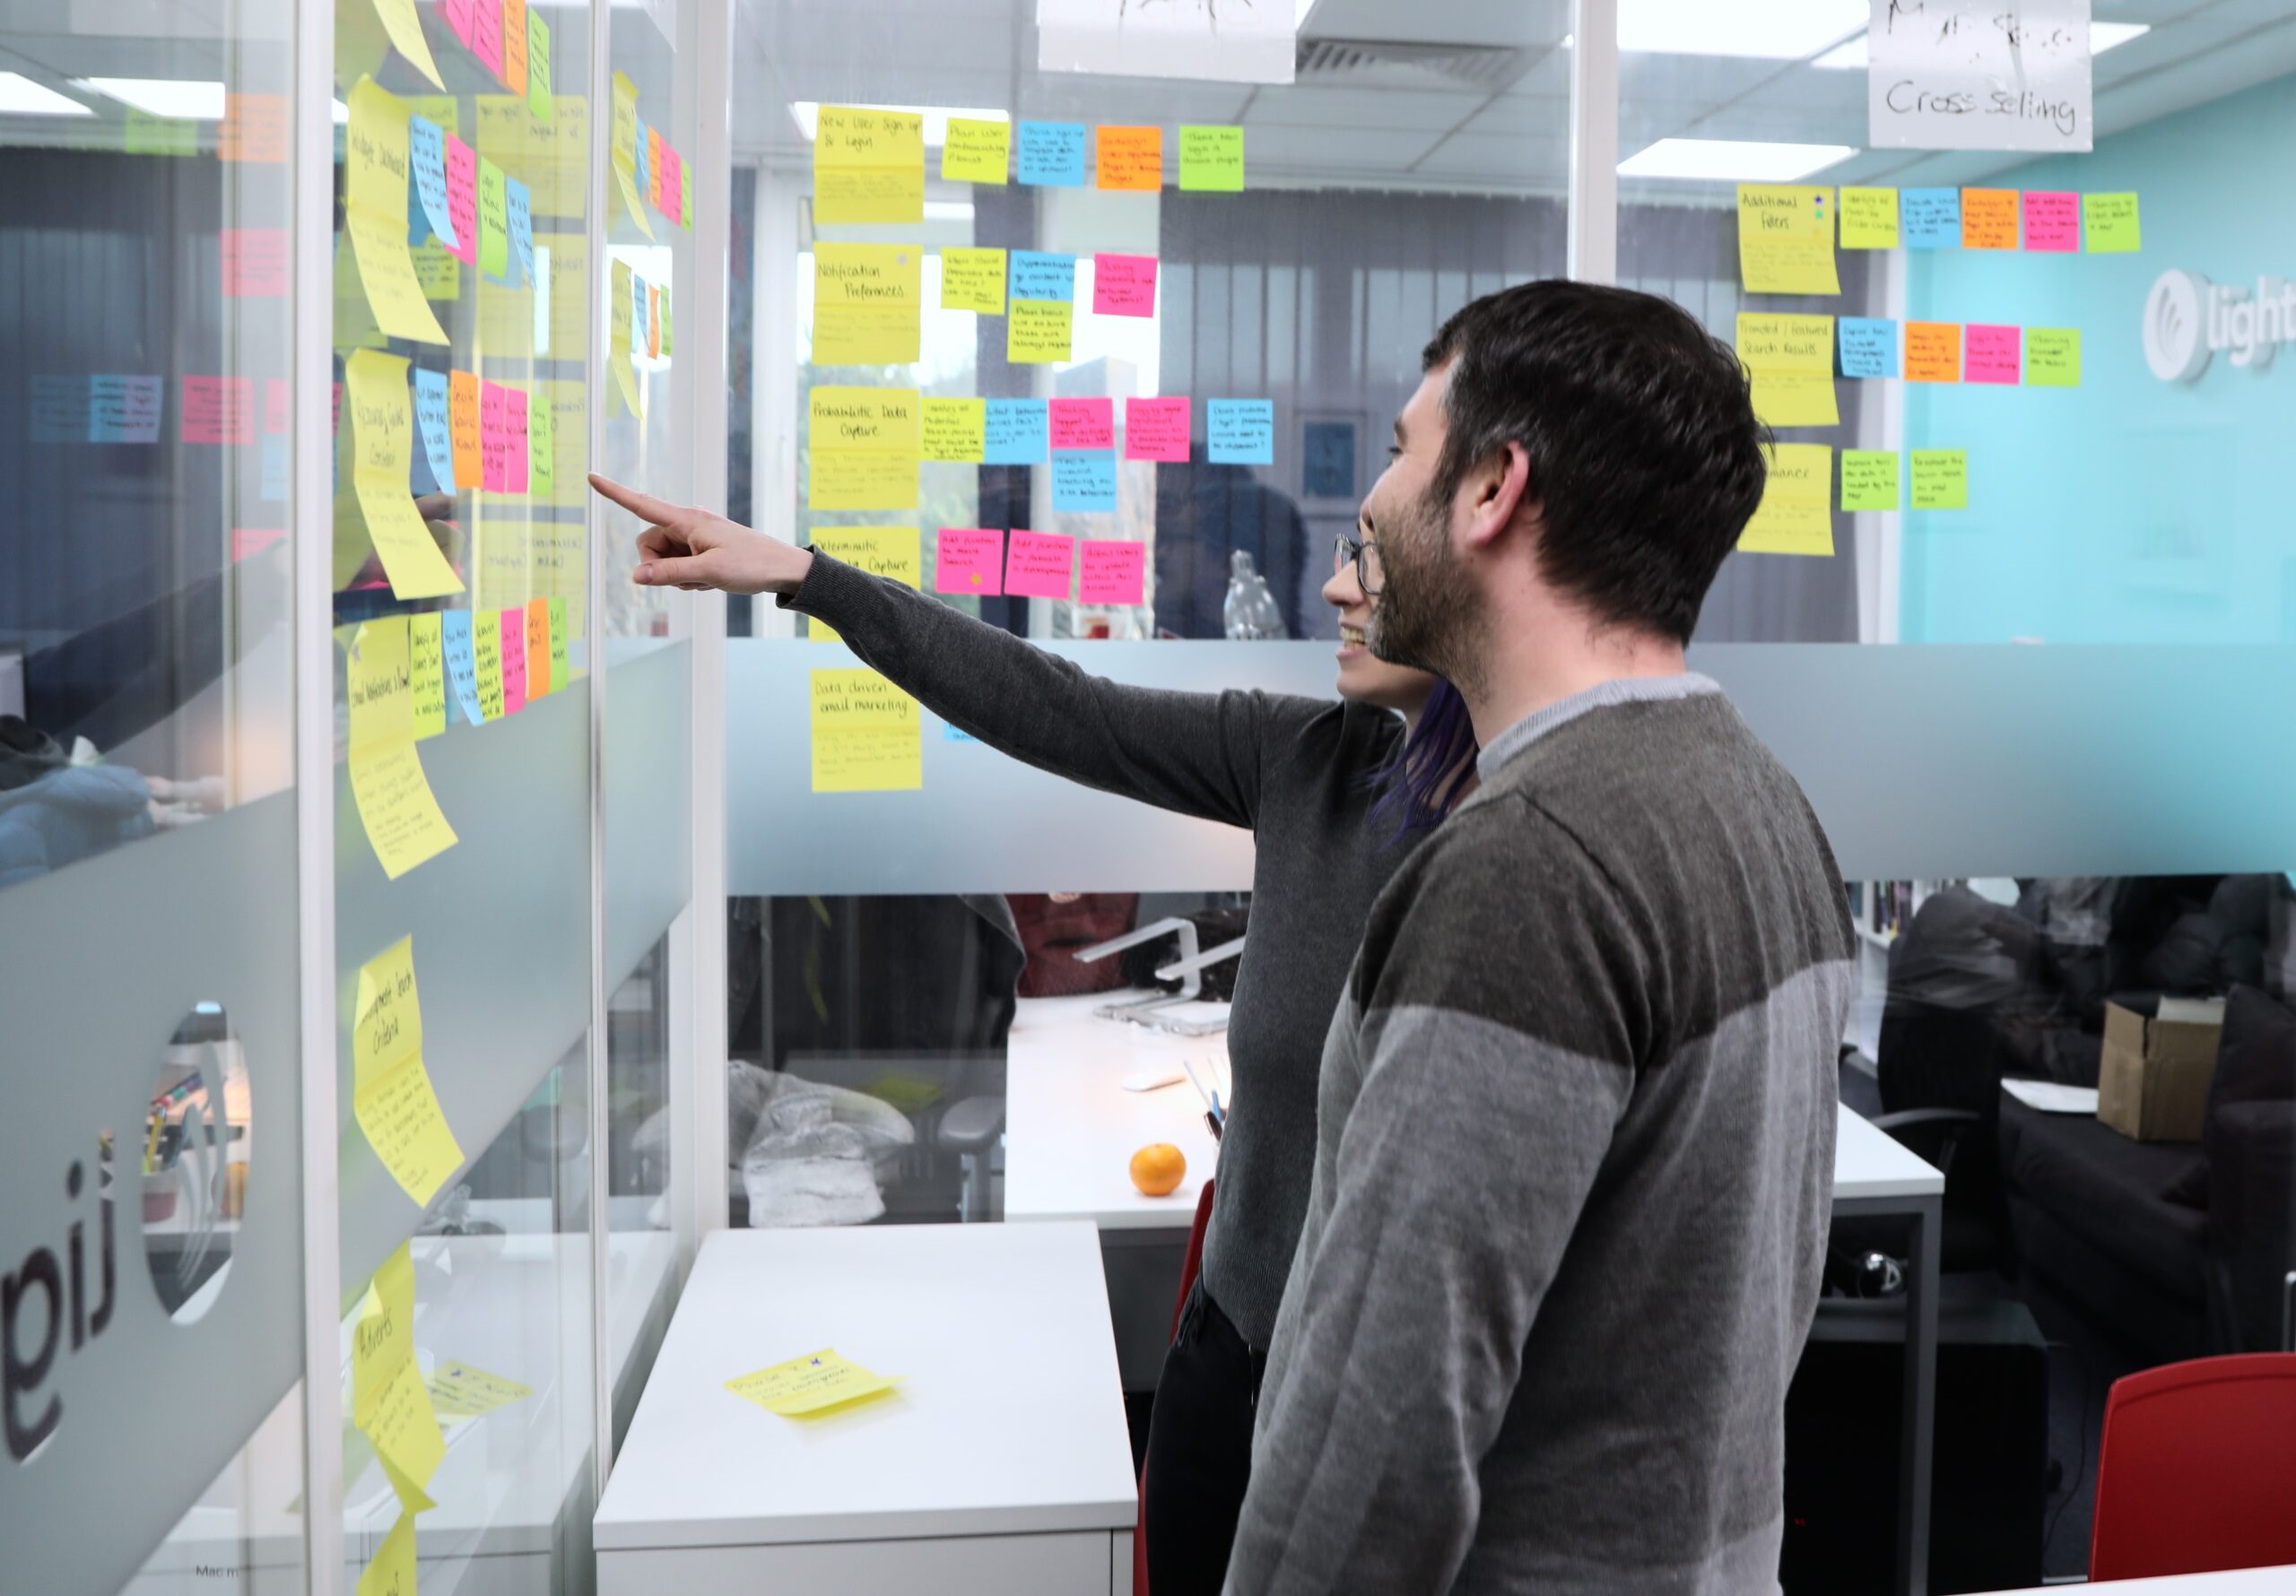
{"points": [[1037, 564], [513, 624], [970, 560], [457, 14], [494, 437], [1083, 423], [254, 540], [462, 199], [1990, 354], [1115, 573], [274, 404], [1124, 285], [486, 35], [338, 407], [516, 440], [1156, 430], [255, 262], [673, 183], [2052, 220], [218, 409]]}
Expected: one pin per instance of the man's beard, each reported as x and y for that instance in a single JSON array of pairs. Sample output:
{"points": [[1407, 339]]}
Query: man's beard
{"points": [[1429, 611]]}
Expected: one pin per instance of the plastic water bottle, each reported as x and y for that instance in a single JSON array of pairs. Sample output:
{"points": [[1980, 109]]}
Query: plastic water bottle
{"points": [[1249, 612]]}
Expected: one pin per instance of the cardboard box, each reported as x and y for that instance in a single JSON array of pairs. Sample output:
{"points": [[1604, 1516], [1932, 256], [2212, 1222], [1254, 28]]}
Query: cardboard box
{"points": [[2152, 1084]]}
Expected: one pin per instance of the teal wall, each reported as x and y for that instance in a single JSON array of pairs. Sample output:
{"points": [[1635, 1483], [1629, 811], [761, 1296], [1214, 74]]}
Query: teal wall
{"points": [[2126, 510]]}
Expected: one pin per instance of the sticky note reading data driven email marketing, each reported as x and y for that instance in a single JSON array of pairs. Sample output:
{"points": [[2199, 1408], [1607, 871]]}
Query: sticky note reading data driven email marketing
{"points": [[955, 429], [382, 441], [892, 552], [1868, 346], [1796, 513], [868, 166], [868, 303], [392, 1095], [1051, 154], [1124, 285], [1015, 432], [1156, 429], [1869, 219], [977, 149], [1114, 571], [968, 559], [1039, 564], [2052, 357], [861, 448], [1791, 361], [1941, 480], [813, 1383], [1212, 159], [868, 736], [2052, 220], [972, 280], [1785, 239], [1869, 480]]}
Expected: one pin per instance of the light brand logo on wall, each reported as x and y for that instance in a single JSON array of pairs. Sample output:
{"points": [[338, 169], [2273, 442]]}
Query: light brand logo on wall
{"points": [[2188, 319]]}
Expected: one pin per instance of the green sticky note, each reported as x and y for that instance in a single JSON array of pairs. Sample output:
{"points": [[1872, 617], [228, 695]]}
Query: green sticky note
{"points": [[2052, 357], [662, 312], [1869, 480], [2110, 221], [541, 451], [538, 99], [148, 134], [559, 672], [1941, 479], [1212, 159], [493, 222], [685, 201]]}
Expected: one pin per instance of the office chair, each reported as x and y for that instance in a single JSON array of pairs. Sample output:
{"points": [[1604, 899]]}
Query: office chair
{"points": [[2196, 1472]]}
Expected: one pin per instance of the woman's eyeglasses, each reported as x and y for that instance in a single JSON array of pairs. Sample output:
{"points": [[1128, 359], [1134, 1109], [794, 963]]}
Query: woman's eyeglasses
{"points": [[1364, 554]]}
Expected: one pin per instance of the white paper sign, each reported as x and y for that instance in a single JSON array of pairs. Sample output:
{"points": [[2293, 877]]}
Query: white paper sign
{"points": [[1227, 42], [1978, 74]]}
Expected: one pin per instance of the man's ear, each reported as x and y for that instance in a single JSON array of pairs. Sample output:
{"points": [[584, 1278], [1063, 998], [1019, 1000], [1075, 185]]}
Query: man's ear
{"points": [[1495, 489]]}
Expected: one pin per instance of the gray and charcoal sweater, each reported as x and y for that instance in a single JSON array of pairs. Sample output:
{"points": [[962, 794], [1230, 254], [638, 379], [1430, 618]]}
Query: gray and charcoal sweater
{"points": [[1574, 1161]]}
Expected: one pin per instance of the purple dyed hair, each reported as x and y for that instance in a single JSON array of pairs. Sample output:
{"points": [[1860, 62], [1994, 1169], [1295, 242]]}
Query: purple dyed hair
{"points": [[1420, 780]]}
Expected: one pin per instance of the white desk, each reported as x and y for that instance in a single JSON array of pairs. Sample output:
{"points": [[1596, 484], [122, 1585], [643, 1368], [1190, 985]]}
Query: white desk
{"points": [[1001, 1463], [2237, 1582]]}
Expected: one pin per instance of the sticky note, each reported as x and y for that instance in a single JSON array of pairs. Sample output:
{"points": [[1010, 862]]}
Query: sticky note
{"points": [[1083, 424], [432, 424], [1114, 572], [486, 35], [464, 426], [516, 458], [2111, 222], [219, 409], [2052, 357], [400, 817], [1037, 275], [685, 204], [2052, 220], [1991, 354], [955, 429], [1037, 564], [968, 559], [1240, 431], [1212, 159], [1988, 219], [382, 1335], [1941, 479], [386, 271], [147, 134], [1932, 352], [811, 1383], [460, 665], [405, 29], [375, 153], [1037, 332], [868, 736], [390, 1571], [1791, 361], [1015, 432], [123, 408], [493, 222], [426, 156], [427, 673], [972, 280], [512, 626], [461, 200], [382, 441], [398, 1109], [560, 672], [539, 100], [1869, 346], [514, 46], [618, 337], [255, 262], [404, 1433], [486, 664], [977, 151], [1931, 217], [893, 552], [653, 167], [1156, 429], [652, 321], [673, 183], [622, 139], [1124, 285], [1785, 239], [1794, 516], [522, 233], [539, 681], [1869, 480], [1084, 481], [868, 166], [494, 437], [60, 408], [1052, 154], [1869, 219], [1131, 158], [868, 303], [464, 1391], [542, 449], [862, 446], [254, 129]]}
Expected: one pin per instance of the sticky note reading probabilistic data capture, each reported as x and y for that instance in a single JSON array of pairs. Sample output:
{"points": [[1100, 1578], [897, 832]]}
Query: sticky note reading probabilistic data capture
{"points": [[1869, 480], [868, 736], [868, 166], [397, 808], [1791, 361], [813, 1383], [868, 303], [392, 1095], [862, 446], [1941, 480], [1785, 239], [888, 551], [1796, 513], [968, 559]]}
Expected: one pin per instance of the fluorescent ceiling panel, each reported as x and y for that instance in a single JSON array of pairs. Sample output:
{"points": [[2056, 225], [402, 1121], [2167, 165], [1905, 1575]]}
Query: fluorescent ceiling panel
{"points": [[1850, 55], [1772, 30], [21, 96], [1732, 160], [187, 100]]}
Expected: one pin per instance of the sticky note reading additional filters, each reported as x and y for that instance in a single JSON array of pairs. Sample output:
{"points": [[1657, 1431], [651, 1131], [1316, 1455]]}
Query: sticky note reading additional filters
{"points": [[1941, 479], [977, 151], [1869, 219], [1991, 354], [2052, 357], [383, 438], [868, 166], [862, 447], [1124, 285], [813, 1383], [973, 279], [392, 1097], [1038, 564], [464, 1391], [1130, 158], [374, 213], [1932, 352], [1791, 361], [2109, 221], [426, 673], [1869, 480], [1868, 346], [400, 817], [1015, 432], [868, 303], [1240, 431], [968, 559], [2052, 220], [1083, 481], [1039, 332], [892, 552], [1037, 275], [1156, 429], [1052, 154], [1212, 159], [1114, 572], [461, 665], [1083, 424], [868, 735], [1794, 516], [956, 429], [1988, 219], [1785, 239], [1931, 217]]}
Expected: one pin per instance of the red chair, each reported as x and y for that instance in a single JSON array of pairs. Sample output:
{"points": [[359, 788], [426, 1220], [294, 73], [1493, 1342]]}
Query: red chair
{"points": [[1190, 1268], [2197, 1471]]}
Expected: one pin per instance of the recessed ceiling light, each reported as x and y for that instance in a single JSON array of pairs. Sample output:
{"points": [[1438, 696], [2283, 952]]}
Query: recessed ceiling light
{"points": [[1775, 30], [807, 114], [1850, 55], [190, 100], [1731, 159], [21, 96]]}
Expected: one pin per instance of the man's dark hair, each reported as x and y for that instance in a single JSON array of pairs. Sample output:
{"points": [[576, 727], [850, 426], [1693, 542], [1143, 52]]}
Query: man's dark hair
{"points": [[1644, 451]]}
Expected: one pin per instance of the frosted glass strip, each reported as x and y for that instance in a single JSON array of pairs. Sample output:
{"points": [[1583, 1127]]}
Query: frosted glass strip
{"points": [[649, 799]]}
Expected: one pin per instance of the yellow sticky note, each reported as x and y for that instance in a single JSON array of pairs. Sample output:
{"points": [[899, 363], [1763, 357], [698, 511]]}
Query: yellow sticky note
{"points": [[1038, 331], [391, 1573], [382, 1337], [868, 735], [404, 1430], [1869, 219], [399, 1112], [377, 685], [624, 152], [868, 303], [2109, 223], [374, 213], [972, 280], [977, 151], [374, 150], [893, 552], [1786, 238], [382, 423], [956, 429], [466, 1391], [813, 1383], [861, 448], [2052, 357], [1869, 480], [386, 270], [1794, 516], [405, 28], [1212, 159], [868, 166], [1941, 479], [387, 1026], [401, 817], [541, 444], [1791, 361], [427, 673], [625, 380]]}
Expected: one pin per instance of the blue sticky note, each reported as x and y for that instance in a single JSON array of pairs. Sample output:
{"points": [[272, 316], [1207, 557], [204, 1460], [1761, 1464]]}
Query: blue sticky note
{"points": [[275, 465], [950, 733], [1015, 432], [1930, 218], [1869, 346], [1241, 432], [1083, 480], [1052, 154], [641, 315], [462, 665], [1032, 274], [426, 161], [431, 420], [641, 176], [123, 408], [522, 232]]}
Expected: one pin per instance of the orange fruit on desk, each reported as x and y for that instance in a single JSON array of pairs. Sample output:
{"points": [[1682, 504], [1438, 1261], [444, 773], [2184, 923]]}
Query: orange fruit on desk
{"points": [[1157, 1168]]}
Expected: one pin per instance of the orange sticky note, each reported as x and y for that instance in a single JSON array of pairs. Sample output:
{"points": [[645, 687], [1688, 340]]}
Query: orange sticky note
{"points": [[463, 427], [1132, 158], [1988, 219], [254, 128], [538, 681], [1932, 352]]}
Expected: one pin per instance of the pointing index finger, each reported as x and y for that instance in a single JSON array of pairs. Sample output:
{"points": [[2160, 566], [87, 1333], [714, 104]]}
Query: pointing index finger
{"points": [[644, 505]]}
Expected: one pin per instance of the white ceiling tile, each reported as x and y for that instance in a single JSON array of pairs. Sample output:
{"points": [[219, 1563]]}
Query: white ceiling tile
{"points": [[1335, 149], [1529, 162], [1396, 108], [1448, 22]]}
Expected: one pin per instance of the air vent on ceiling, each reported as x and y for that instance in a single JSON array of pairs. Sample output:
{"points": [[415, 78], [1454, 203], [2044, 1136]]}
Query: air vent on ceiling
{"points": [[1380, 63]]}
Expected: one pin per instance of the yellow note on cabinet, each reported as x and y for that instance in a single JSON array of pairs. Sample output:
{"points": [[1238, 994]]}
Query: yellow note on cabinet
{"points": [[813, 1383], [1796, 514], [1791, 361], [977, 151], [861, 448], [1786, 238], [868, 735], [464, 1391], [1869, 219], [889, 551], [868, 303], [956, 429], [1038, 331], [972, 280], [868, 166], [382, 423]]}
